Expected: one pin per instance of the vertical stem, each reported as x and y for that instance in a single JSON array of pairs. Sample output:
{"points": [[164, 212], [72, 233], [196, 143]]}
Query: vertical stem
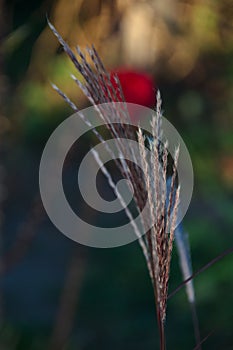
{"points": [[162, 339], [161, 330], [157, 306], [68, 302], [196, 325]]}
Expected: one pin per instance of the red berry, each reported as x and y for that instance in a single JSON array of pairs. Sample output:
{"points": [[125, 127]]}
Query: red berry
{"points": [[138, 87]]}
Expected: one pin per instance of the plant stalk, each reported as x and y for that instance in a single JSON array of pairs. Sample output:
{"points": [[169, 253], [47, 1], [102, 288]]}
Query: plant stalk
{"points": [[161, 330]]}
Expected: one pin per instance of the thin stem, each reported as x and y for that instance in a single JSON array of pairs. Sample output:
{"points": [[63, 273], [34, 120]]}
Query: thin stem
{"points": [[162, 339], [161, 332], [69, 300], [205, 267], [203, 340], [196, 325]]}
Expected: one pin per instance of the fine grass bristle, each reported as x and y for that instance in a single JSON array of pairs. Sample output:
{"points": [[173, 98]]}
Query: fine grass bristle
{"points": [[149, 185]]}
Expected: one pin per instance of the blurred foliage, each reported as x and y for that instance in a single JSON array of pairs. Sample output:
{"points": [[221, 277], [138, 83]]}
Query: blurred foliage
{"points": [[187, 46]]}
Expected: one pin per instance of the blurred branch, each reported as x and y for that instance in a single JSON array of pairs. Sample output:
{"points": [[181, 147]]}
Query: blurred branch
{"points": [[205, 267], [24, 238], [69, 299]]}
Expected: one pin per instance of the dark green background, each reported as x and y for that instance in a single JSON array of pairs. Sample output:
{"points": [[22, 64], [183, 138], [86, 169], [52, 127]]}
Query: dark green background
{"points": [[114, 307]]}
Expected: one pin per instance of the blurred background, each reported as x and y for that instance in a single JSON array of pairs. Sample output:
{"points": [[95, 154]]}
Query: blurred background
{"points": [[54, 293]]}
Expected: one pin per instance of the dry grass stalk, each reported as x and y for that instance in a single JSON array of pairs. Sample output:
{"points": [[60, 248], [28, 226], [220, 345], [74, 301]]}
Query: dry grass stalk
{"points": [[152, 185]]}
